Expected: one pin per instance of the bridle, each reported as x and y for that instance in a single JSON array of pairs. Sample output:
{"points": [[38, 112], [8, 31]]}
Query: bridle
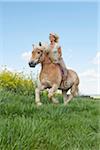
{"points": [[40, 56]]}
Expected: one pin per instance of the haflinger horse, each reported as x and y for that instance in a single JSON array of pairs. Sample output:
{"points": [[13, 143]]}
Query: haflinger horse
{"points": [[51, 77]]}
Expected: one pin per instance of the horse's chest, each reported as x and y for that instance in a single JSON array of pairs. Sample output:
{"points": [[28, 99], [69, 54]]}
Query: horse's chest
{"points": [[45, 80]]}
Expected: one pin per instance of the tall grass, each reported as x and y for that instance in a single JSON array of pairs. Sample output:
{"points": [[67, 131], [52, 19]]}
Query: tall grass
{"points": [[23, 126]]}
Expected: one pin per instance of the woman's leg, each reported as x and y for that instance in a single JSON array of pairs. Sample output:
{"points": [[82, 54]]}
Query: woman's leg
{"points": [[63, 67]]}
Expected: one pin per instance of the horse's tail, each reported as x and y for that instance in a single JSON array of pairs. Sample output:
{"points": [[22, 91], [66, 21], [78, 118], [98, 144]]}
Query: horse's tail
{"points": [[75, 88], [77, 91]]}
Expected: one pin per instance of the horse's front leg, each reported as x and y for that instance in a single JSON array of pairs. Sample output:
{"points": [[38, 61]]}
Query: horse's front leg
{"points": [[37, 94], [51, 93]]}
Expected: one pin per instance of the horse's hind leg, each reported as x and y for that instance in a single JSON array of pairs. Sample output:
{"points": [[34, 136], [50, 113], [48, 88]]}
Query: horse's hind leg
{"points": [[54, 100], [74, 92]]}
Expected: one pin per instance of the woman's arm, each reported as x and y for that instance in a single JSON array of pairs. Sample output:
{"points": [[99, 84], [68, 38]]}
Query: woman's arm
{"points": [[59, 51]]}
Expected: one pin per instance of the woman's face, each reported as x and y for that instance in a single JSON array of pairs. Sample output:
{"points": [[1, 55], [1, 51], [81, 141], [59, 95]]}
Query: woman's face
{"points": [[51, 38]]}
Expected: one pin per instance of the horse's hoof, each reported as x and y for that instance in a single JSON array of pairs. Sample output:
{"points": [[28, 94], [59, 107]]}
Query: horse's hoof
{"points": [[39, 104], [50, 95], [65, 104], [55, 101]]}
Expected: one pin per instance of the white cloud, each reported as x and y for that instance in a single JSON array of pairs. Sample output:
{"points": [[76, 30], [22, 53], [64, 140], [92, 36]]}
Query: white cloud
{"points": [[90, 82], [96, 59], [5, 67], [88, 87], [26, 56], [90, 73], [90, 78]]}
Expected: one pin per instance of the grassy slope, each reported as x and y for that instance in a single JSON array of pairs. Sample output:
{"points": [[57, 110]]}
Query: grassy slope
{"points": [[23, 126]]}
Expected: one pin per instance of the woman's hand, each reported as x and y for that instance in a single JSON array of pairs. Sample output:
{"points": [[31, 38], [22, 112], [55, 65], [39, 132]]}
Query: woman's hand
{"points": [[59, 51]]}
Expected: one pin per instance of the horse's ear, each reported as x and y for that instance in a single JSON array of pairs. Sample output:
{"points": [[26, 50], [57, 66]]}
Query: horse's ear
{"points": [[40, 44]]}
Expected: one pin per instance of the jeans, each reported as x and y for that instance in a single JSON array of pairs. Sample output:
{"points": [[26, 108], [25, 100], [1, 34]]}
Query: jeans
{"points": [[61, 62]]}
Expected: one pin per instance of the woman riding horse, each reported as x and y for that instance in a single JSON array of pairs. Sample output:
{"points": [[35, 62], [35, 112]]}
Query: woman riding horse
{"points": [[55, 53], [51, 77]]}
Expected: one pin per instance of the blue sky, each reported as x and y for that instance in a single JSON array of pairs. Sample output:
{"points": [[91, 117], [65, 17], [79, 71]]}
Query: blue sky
{"points": [[24, 23]]}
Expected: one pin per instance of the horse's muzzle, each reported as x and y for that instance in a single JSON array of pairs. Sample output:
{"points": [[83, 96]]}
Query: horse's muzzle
{"points": [[32, 64]]}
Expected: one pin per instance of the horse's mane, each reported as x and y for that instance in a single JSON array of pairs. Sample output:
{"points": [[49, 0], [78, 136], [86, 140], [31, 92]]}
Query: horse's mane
{"points": [[44, 47]]}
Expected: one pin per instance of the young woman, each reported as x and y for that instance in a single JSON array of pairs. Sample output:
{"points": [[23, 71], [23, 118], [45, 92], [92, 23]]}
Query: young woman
{"points": [[55, 53]]}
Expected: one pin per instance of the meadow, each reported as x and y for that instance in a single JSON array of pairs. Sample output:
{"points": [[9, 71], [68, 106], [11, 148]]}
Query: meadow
{"points": [[24, 126]]}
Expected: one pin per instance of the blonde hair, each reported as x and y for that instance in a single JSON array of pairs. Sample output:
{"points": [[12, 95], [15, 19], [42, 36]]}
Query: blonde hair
{"points": [[55, 36]]}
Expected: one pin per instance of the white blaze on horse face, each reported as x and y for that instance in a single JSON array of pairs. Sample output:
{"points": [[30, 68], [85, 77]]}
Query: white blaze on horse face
{"points": [[35, 56], [37, 52], [33, 60]]}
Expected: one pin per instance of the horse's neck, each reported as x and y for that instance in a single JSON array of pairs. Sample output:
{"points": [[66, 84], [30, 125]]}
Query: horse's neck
{"points": [[46, 60], [46, 63]]}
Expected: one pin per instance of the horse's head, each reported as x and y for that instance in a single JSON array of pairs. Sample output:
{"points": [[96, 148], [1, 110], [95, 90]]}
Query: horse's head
{"points": [[37, 55]]}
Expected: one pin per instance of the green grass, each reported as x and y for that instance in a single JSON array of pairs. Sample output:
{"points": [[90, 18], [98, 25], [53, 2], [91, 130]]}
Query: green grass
{"points": [[23, 126]]}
